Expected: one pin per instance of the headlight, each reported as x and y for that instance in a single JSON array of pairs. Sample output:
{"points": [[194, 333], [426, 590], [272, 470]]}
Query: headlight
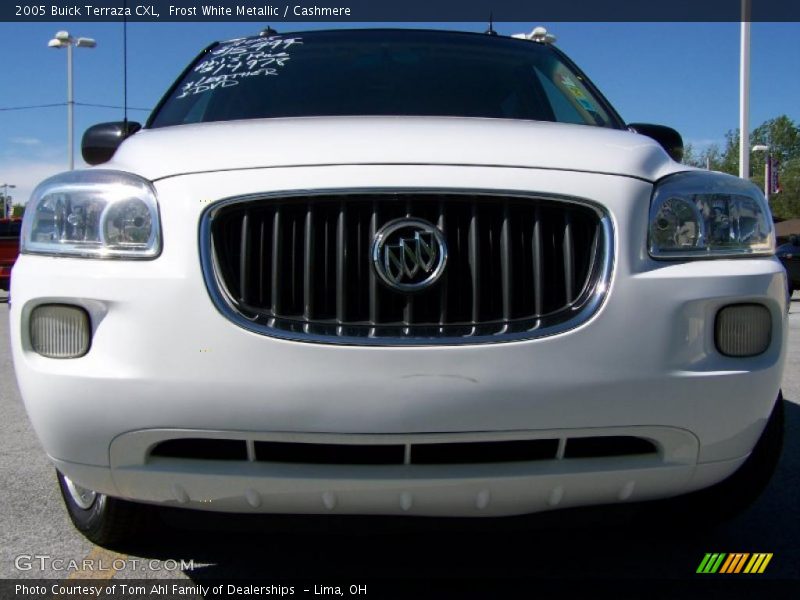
{"points": [[698, 214], [93, 213]]}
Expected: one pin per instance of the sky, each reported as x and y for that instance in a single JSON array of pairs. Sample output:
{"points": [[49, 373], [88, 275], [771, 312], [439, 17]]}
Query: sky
{"points": [[685, 75]]}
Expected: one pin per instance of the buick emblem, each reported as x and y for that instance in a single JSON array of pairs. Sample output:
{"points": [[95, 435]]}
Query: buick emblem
{"points": [[409, 254]]}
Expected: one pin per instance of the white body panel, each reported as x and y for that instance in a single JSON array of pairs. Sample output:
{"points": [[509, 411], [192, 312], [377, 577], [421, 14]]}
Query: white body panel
{"points": [[414, 140], [164, 361]]}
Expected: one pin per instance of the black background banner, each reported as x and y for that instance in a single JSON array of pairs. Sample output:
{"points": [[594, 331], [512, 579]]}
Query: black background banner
{"points": [[275, 11]]}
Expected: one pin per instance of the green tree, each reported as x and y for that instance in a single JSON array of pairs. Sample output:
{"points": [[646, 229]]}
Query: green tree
{"points": [[689, 156], [786, 203], [782, 135], [728, 159], [710, 158]]}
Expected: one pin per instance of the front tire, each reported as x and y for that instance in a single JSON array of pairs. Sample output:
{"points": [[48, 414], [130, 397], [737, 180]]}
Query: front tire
{"points": [[100, 518]]}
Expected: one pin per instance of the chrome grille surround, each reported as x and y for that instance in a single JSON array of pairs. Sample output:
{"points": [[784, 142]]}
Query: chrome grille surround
{"points": [[587, 302]]}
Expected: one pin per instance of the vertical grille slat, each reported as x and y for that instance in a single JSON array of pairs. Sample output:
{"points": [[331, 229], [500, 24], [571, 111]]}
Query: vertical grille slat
{"points": [[308, 264], [408, 308], [303, 265], [326, 265], [536, 261], [263, 268], [591, 257], [277, 237], [294, 280], [441, 224], [244, 259], [341, 265], [373, 278], [359, 260], [569, 260], [474, 264], [505, 262]]}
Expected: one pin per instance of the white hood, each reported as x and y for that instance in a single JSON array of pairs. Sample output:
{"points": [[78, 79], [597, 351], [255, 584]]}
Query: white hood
{"points": [[183, 149]]}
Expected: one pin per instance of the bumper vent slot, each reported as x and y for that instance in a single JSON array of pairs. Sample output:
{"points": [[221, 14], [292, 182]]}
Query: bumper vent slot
{"points": [[594, 447], [301, 267], [202, 449], [330, 454], [483, 452]]}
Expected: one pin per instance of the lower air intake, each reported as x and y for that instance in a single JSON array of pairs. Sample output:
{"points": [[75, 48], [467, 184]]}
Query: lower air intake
{"points": [[398, 454]]}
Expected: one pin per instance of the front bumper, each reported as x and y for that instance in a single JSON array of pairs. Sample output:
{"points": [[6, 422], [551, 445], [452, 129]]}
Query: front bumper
{"points": [[165, 362]]}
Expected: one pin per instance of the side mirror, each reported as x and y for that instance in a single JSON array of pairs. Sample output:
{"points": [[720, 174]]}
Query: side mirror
{"points": [[101, 141], [667, 137]]}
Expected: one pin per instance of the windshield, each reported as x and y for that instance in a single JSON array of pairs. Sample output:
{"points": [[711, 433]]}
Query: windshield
{"points": [[382, 72]]}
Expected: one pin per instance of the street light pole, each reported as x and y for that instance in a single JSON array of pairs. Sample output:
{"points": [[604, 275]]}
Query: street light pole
{"points": [[5, 187], [765, 149], [744, 93], [70, 110], [64, 40]]}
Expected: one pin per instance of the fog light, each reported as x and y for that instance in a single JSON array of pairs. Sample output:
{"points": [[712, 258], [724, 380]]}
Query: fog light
{"points": [[60, 331], [743, 330]]}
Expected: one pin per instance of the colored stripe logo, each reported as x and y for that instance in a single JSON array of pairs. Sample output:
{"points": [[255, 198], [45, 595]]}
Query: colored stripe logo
{"points": [[736, 562]]}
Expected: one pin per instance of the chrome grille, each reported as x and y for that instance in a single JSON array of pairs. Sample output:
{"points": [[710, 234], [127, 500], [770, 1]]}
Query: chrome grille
{"points": [[300, 266]]}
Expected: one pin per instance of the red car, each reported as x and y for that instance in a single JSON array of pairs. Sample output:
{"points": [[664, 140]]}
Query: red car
{"points": [[9, 249]]}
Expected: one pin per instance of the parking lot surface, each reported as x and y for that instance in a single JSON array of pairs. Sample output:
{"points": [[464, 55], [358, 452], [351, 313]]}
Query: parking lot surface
{"points": [[193, 546]]}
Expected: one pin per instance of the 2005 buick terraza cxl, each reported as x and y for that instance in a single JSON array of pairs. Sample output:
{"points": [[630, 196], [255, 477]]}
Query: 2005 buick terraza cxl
{"points": [[395, 272]]}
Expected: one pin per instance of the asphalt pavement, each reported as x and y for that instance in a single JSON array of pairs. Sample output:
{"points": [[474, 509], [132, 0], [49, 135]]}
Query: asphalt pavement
{"points": [[38, 541]]}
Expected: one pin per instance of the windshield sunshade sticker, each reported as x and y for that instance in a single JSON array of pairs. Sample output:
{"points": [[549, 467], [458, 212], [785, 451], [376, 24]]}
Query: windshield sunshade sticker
{"points": [[567, 81], [239, 59], [580, 97]]}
